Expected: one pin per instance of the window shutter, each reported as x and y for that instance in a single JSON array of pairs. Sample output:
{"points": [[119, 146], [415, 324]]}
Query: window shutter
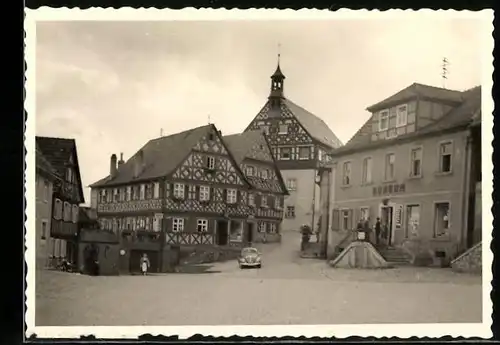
{"points": [[197, 193], [349, 219], [257, 199], [224, 194], [212, 194], [186, 191], [335, 219]]}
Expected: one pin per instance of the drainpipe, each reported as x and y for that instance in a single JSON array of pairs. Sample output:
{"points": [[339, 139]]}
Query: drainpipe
{"points": [[314, 200], [163, 222], [465, 191]]}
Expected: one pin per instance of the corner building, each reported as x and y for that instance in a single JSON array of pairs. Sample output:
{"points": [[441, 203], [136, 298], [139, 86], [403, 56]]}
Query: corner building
{"points": [[300, 141], [415, 164]]}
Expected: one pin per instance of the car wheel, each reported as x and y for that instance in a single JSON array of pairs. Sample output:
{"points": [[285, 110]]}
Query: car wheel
{"points": [[259, 266]]}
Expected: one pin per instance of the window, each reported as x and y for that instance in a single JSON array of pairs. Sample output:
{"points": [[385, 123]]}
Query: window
{"points": [[204, 193], [211, 137], [390, 160], [367, 170], [142, 192], [43, 235], [179, 190], [364, 213], [45, 190], [58, 210], [178, 224], [416, 162], [74, 213], [283, 129], [121, 191], [290, 212], [346, 219], [412, 220], [231, 196], [346, 174], [67, 212], [304, 152], [445, 151], [291, 184], [210, 163], [271, 228], [262, 227], [441, 219], [265, 129], [202, 225], [115, 195], [249, 170], [401, 115], [277, 203], [263, 201], [129, 193], [285, 153], [251, 199], [383, 123], [149, 191], [264, 173], [156, 190], [135, 192], [109, 195]]}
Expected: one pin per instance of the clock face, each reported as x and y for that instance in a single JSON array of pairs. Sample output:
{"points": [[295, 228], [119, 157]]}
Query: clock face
{"points": [[122, 252]]}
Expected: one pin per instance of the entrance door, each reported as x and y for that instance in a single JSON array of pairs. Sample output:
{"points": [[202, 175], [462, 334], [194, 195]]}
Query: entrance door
{"points": [[135, 260], [250, 230], [222, 235], [386, 220]]}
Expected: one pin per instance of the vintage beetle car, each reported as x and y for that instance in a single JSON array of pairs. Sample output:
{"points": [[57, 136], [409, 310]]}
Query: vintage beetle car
{"points": [[250, 257]]}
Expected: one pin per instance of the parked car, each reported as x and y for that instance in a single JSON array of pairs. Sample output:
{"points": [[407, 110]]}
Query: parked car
{"points": [[250, 257]]}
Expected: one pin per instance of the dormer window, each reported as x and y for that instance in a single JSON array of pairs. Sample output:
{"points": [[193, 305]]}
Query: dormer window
{"points": [[249, 171], [401, 115], [383, 123]]}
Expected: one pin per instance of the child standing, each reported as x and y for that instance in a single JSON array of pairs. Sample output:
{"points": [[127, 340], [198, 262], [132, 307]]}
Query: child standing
{"points": [[144, 264]]}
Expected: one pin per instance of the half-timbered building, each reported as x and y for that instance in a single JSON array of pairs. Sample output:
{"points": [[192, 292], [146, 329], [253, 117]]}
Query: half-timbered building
{"points": [[67, 194], [300, 141], [186, 190]]}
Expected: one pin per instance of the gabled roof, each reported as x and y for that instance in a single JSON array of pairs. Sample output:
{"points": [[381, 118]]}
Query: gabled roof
{"points": [[161, 157], [418, 90], [58, 152], [240, 145], [42, 164], [316, 127], [461, 115]]}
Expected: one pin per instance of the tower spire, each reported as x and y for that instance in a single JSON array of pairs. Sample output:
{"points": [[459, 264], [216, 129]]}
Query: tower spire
{"points": [[277, 81]]}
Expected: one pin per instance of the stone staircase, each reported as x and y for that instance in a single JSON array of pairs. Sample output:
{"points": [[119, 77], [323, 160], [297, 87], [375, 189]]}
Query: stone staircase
{"points": [[395, 256]]}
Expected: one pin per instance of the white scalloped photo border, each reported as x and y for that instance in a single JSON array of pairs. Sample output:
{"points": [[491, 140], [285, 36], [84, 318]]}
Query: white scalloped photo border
{"points": [[482, 330]]}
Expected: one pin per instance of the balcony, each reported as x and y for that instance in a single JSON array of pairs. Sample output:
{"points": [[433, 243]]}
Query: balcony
{"points": [[61, 229]]}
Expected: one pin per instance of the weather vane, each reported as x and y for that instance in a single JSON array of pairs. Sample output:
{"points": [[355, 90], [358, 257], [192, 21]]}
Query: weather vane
{"points": [[279, 52]]}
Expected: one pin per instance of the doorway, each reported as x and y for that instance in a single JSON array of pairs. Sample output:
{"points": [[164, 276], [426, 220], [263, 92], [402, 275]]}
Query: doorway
{"points": [[250, 231], [222, 233], [386, 220], [91, 257]]}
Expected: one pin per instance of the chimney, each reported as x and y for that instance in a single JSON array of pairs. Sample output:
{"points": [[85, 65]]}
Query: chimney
{"points": [[121, 161], [112, 167], [220, 132]]}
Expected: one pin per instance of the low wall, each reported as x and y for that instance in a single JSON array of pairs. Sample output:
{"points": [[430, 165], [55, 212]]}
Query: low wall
{"points": [[209, 254], [262, 237], [470, 261]]}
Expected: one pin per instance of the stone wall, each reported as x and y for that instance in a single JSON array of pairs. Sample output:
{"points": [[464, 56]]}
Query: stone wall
{"points": [[262, 237], [470, 261]]}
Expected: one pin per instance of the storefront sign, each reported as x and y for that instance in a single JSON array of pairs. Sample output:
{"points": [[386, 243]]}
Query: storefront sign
{"points": [[389, 189], [399, 215]]}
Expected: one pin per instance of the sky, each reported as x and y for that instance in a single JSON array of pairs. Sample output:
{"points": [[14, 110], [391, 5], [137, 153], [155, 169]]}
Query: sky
{"points": [[113, 86]]}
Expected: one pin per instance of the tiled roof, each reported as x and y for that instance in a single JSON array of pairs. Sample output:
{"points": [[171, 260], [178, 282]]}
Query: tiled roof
{"points": [[160, 156], [43, 164], [315, 126], [58, 151], [460, 115], [240, 146], [415, 90]]}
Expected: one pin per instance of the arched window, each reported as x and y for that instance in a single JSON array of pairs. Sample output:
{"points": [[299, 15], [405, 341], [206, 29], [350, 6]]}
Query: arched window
{"points": [[74, 213]]}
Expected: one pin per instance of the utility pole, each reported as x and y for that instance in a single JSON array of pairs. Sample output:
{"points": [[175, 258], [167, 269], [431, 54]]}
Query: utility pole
{"points": [[444, 73]]}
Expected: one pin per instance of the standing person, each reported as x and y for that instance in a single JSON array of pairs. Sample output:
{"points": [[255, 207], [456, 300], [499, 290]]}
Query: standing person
{"points": [[144, 264], [368, 230], [378, 229]]}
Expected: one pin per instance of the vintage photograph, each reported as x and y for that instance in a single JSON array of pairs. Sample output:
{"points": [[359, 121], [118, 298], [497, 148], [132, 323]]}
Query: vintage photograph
{"points": [[208, 168]]}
